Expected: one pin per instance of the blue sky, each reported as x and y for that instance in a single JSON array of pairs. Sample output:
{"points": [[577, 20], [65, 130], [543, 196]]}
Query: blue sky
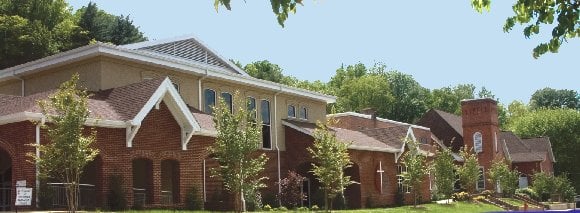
{"points": [[440, 43]]}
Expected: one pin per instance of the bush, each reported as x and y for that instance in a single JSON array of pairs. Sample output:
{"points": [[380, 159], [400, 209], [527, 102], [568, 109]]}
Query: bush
{"points": [[527, 192], [302, 209], [487, 193], [192, 199], [291, 190], [282, 208], [267, 208], [479, 198], [461, 196], [45, 196], [116, 198], [315, 208]]}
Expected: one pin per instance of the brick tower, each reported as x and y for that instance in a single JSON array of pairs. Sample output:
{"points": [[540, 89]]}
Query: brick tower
{"points": [[480, 133]]}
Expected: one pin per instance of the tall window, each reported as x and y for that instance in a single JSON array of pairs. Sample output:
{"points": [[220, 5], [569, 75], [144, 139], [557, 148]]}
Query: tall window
{"points": [[304, 113], [209, 97], [265, 114], [402, 187], [228, 100], [481, 179], [477, 142], [291, 111], [252, 107]]}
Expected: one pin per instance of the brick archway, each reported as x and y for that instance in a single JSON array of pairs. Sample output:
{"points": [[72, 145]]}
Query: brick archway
{"points": [[6, 175]]}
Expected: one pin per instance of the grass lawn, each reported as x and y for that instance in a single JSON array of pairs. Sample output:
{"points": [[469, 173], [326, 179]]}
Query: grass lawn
{"points": [[512, 201], [431, 207]]}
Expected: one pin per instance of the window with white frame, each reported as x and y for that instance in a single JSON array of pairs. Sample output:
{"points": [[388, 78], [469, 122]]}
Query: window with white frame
{"points": [[209, 101], [227, 97], [291, 111], [401, 186], [304, 113], [266, 124], [481, 179], [477, 142]]}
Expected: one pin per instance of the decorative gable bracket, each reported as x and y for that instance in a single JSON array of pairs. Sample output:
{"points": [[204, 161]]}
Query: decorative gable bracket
{"points": [[130, 133]]}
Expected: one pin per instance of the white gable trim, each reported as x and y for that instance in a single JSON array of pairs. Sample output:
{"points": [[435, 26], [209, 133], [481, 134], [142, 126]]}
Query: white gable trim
{"points": [[34, 116], [360, 115], [177, 107]]}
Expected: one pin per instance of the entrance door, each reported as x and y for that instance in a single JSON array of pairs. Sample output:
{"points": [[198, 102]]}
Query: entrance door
{"points": [[523, 181]]}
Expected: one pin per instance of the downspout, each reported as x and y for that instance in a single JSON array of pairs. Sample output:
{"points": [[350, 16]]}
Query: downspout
{"points": [[199, 90], [37, 140], [276, 140], [21, 82]]}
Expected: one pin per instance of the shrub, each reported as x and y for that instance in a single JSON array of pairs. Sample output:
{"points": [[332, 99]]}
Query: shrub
{"points": [[487, 193], [45, 196], [282, 208], [461, 196], [192, 199], [314, 208], [528, 192], [302, 209], [479, 198], [116, 198], [291, 190], [267, 208]]}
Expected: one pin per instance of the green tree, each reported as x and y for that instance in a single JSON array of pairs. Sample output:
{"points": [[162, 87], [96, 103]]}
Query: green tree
{"points": [[344, 74], [563, 15], [552, 98], [546, 185], [331, 159], [69, 149], [411, 98], [500, 173], [416, 164], [265, 70], [468, 172], [366, 91], [448, 99], [443, 171], [236, 150], [281, 8], [561, 126]]}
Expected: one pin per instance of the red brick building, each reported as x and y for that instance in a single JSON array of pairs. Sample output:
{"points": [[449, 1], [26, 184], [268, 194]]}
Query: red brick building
{"points": [[478, 130]]}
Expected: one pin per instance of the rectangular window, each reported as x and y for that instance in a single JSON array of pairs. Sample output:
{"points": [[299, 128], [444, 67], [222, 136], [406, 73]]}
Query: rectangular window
{"points": [[227, 97], [402, 187], [209, 98], [304, 113], [291, 111], [252, 107], [481, 179], [266, 123]]}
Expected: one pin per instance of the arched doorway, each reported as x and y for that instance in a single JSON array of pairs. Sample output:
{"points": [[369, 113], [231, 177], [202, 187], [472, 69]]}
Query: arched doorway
{"points": [[5, 180], [310, 186], [90, 184], [169, 182], [352, 192], [142, 182]]}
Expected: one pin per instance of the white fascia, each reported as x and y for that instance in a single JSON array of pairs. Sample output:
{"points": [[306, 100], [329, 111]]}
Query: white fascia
{"points": [[35, 116], [177, 107]]}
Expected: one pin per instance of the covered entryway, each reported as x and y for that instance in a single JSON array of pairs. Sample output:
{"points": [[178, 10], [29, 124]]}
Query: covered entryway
{"points": [[310, 186], [142, 182], [169, 182], [5, 180]]}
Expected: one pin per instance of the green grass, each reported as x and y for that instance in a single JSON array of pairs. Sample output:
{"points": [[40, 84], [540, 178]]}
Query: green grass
{"points": [[512, 201], [458, 207]]}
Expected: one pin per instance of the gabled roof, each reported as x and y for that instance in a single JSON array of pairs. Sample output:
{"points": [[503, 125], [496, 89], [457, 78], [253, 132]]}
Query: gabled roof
{"points": [[453, 120], [519, 151], [541, 145], [358, 140], [162, 60], [392, 136], [186, 47]]}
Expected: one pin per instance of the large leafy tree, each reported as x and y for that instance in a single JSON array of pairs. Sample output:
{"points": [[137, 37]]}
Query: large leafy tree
{"points": [[500, 173], [443, 171], [101, 26], [265, 70], [449, 98], [411, 97], [236, 150], [416, 164], [552, 98], [366, 91], [69, 149], [331, 159], [561, 126], [562, 15]]}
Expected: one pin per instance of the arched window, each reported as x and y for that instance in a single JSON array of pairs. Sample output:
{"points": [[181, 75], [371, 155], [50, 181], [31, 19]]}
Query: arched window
{"points": [[291, 111], [209, 98], [477, 142], [304, 113], [227, 97]]}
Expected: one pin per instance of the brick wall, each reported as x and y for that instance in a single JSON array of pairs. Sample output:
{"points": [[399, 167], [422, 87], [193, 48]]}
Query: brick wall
{"points": [[358, 123]]}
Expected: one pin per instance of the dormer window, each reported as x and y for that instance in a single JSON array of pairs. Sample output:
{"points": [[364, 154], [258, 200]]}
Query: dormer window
{"points": [[477, 142], [291, 111]]}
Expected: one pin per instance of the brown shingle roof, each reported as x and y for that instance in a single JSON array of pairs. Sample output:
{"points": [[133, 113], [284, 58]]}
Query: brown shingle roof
{"points": [[358, 139], [205, 120], [392, 136], [518, 150], [540, 145], [453, 120]]}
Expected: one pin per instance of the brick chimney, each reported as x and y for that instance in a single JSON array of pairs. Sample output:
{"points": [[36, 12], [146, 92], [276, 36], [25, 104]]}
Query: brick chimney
{"points": [[480, 131], [373, 113]]}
